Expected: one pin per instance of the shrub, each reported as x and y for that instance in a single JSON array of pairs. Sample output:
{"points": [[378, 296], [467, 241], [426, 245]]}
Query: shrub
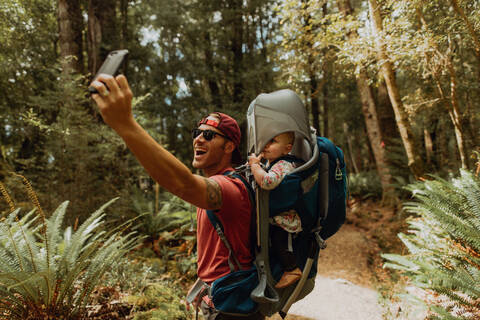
{"points": [[170, 233], [365, 185], [49, 274], [159, 301], [444, 246]]}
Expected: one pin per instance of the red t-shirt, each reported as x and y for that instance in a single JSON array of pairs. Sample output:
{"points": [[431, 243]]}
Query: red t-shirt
{"points": [[235, 218]]}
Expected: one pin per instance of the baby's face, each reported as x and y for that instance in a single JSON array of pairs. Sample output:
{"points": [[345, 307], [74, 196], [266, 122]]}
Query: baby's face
{"points": [[277, 147]]}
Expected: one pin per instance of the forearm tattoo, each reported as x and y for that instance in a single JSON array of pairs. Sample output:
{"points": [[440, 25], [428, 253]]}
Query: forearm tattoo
{"points": [[214, 194]]}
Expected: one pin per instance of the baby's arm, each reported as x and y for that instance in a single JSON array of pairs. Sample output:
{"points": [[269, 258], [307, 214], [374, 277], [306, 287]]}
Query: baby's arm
{"points": [[271, 179], [275, 175]]}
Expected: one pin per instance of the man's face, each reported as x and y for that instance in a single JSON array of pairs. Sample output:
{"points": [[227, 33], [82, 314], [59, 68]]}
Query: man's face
{"points": [[207, 155]]}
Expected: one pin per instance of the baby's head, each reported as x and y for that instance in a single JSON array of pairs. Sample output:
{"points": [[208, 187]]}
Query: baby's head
{"points": [[279, 146]]}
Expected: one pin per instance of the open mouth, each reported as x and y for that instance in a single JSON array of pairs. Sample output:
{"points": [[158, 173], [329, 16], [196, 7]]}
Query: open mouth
{"points": [[199, 152]]}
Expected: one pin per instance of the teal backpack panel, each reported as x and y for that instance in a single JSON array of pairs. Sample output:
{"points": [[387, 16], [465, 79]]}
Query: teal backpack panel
{"points": [[337, 186], [299, 191], [294, 192]]}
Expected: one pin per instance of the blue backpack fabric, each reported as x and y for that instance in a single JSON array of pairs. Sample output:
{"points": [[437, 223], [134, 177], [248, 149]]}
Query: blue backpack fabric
{"points": [[231, 294], [295, 192], [299, 191], [337, 186]]}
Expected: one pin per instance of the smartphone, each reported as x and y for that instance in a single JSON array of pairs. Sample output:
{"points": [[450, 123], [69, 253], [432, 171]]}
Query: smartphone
{"points": [[111, 65]]}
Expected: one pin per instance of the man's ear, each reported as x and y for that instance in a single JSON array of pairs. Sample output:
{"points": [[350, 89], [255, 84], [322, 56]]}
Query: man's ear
{"points": [[229, 147]]}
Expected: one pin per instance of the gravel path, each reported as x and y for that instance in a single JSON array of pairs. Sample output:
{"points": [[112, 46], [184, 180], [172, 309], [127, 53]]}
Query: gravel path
{"points": [[338, 299]]}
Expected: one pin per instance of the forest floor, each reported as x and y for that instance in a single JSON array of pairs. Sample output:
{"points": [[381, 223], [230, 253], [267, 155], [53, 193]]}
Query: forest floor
{"points": [[350, 273]]}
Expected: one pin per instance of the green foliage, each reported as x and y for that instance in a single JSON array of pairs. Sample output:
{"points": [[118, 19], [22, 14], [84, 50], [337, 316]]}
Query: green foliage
{"points": [[170, 231], [173, 214], [49, 273], [444, 245], [159, 301], [364, 185]]}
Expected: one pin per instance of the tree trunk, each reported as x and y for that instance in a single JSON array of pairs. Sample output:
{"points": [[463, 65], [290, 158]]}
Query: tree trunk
{"points": [[415, 162], [124, 14], [386, 116], [326, 76], [236, 47], [214, 90], [103, 34], [374, 133], [428, 145], [441, 144], [455, 115], [350, 148], [369, 110], [315, 108], [70, 26], [326, 127]]}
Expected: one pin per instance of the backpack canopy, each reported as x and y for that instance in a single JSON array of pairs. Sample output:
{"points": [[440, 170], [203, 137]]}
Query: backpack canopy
{"points": [[271, 114]]}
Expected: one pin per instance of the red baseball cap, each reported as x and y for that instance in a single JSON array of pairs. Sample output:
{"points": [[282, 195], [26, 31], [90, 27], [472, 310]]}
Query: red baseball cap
{"points": [[229, 127]]}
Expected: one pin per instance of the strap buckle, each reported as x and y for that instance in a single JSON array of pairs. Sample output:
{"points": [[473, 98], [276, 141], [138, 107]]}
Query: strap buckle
{"points": [[338, 171], [322, 244]]}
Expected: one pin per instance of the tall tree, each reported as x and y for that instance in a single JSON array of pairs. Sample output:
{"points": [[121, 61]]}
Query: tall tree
{"points": [[212, 55], [104, 33], [415, 162], [70, 28], [369, 110]]}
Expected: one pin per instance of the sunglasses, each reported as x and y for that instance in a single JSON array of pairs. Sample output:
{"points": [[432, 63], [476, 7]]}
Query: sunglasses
{"points": [[207, 134]]}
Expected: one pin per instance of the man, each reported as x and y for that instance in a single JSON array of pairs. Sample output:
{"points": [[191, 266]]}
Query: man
{"points": [[215, 143]]}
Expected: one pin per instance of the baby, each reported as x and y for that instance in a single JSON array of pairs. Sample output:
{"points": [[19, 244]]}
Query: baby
{"points": [[285, 223]]}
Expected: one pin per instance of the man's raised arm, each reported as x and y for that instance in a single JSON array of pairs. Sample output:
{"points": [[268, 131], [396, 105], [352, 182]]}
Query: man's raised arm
{"points": [[115, 105]]}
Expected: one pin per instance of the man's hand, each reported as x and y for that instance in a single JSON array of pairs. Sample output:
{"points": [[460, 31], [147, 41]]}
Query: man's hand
{"points": [[114, 101]]}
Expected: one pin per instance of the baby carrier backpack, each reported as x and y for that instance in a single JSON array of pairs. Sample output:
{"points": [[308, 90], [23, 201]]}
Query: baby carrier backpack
{"points": [[316, 190]]}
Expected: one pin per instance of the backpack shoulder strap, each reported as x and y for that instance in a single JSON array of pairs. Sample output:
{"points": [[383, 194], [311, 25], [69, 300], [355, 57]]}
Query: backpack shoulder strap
{"points": [[253, 210], [217, 224]]}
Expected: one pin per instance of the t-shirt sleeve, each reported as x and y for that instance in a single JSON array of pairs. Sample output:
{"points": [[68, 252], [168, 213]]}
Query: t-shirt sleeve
{"points": [[234, 192], [276, 174]]}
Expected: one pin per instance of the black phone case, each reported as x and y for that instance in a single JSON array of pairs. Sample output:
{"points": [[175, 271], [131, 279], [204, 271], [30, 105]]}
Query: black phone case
{"points": [[111, 65]]}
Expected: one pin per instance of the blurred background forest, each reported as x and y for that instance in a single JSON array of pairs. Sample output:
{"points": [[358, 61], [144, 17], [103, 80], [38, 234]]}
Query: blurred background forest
{"points": [[395, 83]]}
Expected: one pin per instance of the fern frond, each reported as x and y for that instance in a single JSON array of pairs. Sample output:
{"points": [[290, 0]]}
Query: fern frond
{"points": [[444, 245], [66, 274], [7, 197]]}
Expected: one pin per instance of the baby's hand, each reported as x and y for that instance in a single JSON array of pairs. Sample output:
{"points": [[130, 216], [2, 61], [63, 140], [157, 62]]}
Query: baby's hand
{"points": [[252, 159]]}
